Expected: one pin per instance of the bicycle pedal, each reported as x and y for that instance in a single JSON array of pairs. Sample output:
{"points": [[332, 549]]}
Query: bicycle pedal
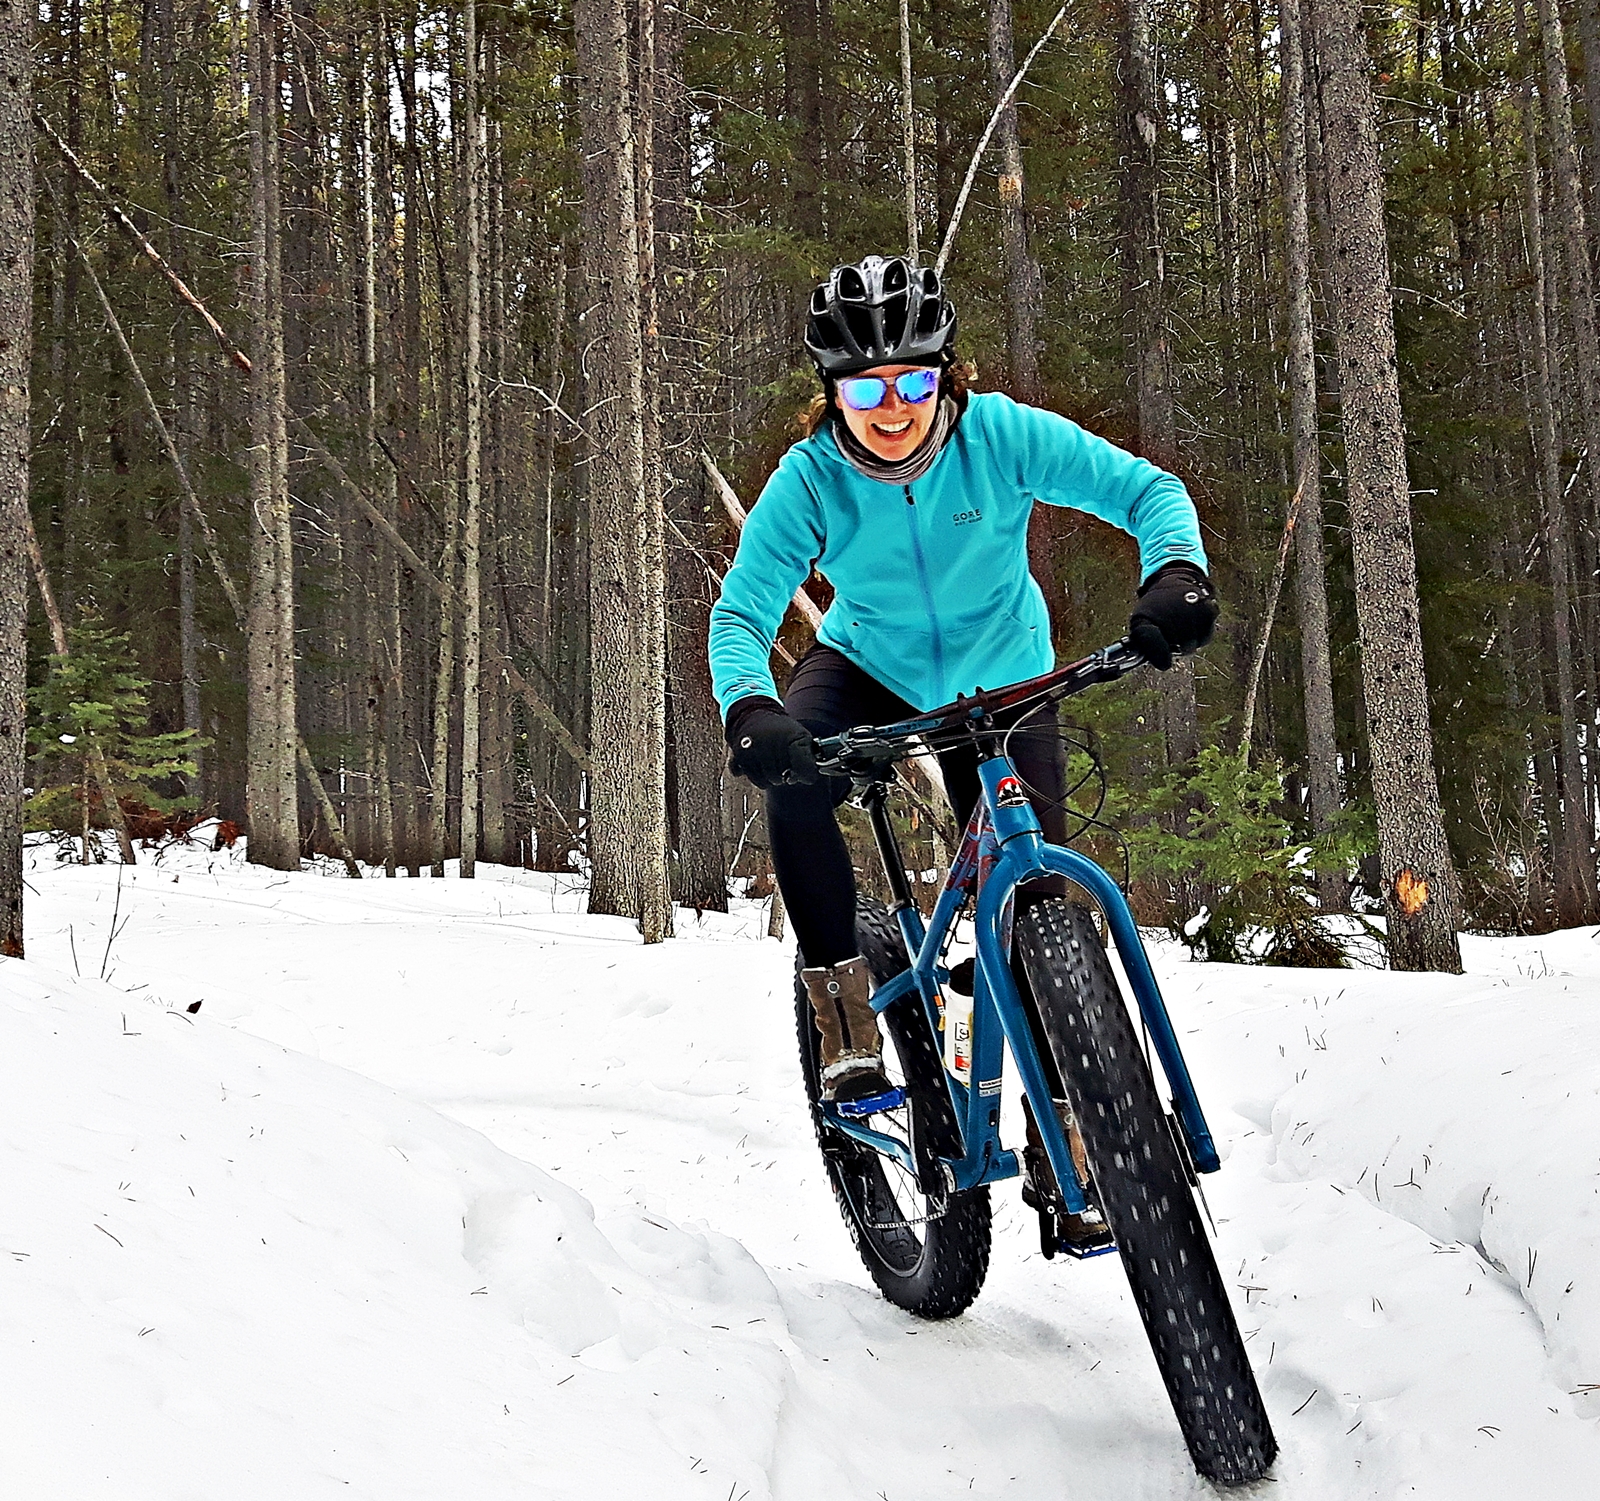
{"points": [[872, 1104], [1087, 1250]]}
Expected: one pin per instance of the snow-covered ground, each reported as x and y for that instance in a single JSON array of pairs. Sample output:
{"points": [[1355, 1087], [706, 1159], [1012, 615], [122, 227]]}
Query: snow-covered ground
{"points": [[450, 1191]]}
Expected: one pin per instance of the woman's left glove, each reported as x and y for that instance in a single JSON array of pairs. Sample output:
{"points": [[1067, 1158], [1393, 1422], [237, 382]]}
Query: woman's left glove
{"points": [[769, 747], [1176, 613]]}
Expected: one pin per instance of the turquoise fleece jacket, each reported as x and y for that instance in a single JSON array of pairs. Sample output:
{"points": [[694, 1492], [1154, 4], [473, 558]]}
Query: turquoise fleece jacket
{"points": [[932, 593]]}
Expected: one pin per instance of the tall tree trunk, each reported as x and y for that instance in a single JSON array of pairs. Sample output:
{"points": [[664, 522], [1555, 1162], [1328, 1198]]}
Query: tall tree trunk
{"points": [[1418, 880], [802, 69], [1145, 310], [471, 576], [503, 500], [700, 872], [271, 794], [69, 349], [627, 818], [1022, 271], [651, 627], [1322, 755], [1574, 237], [413, 693], [16, 344], [947, 88], [172, 183], [444, 686], [908, 134], [383, 640], [1570, 830], [549, 442]]}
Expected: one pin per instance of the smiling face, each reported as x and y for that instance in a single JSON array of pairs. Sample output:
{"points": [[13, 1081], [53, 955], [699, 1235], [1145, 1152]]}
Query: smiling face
{"points": [[894, 430]]}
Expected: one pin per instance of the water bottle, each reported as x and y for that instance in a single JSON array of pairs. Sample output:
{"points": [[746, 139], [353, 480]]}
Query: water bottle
{"points": [[958, 1027]]}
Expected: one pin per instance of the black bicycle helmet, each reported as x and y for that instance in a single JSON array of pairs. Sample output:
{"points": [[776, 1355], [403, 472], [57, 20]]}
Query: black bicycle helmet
{"points": [[884, 311]]}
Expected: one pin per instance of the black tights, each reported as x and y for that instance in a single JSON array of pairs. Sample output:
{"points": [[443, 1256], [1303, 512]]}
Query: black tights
{"points": [[829, 693]]}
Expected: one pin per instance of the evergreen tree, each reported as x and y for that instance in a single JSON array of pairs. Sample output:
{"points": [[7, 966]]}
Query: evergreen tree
{"points": [[94, 699]]}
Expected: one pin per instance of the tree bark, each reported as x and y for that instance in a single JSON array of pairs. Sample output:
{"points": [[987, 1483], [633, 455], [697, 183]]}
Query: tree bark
{"points": [[471, 576], [272, 801], [172, 121], [384, 637], [1570, 829], [1311, 596], [16, 344], [656, 909], [1022, 271], [1417, 877], [1574, 237], [627, 805], [413, 693], [444, 687], [1145, 312], [695, 745], [908, 134], [802, 69]]}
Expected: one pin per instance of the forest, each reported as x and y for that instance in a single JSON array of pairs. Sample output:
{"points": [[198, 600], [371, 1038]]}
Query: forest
{"points": [[384, 384]]}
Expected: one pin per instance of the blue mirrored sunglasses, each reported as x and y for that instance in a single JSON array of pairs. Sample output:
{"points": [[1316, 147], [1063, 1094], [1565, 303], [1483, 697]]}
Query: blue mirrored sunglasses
{"points": [[863, 392]]}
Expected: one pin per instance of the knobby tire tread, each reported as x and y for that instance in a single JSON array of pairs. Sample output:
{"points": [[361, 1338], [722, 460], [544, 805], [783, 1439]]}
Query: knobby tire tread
{"points": [[1145, 1194], [935, 1269]]}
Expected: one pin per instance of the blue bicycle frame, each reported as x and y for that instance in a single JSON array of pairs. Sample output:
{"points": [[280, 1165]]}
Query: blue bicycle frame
{"points": [[1004, 846]]}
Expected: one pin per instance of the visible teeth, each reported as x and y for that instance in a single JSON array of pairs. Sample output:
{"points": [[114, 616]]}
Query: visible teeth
{"points": [[894, 431]]}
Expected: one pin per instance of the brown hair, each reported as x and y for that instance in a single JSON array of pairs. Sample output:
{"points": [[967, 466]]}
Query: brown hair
{"points": [[958, 378]]}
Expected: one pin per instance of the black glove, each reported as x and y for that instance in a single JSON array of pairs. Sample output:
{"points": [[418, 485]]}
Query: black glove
{"points": [[769, 748], [1176, 612]]}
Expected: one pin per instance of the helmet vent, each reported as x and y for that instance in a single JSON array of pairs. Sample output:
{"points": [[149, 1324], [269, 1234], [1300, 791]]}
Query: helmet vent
{"points": [[858, 324], [894, 322], [894, 276], [851, 287], [826, 331]]}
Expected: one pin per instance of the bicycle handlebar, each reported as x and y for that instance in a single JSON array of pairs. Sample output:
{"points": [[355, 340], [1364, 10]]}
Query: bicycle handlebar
{"points": [[870, 746]]}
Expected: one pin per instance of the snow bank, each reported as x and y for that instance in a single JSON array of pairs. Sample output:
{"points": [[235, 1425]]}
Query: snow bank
{"points": [[230, 1270], [1418, 1199]]}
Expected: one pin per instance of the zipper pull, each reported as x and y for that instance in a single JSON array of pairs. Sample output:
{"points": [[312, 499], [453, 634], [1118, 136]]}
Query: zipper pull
{"points": [[911, 500]]}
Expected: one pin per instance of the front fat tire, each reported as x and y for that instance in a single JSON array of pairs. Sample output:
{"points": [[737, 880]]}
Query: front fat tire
{"points": [[934, 1269], [1145, 1194]]}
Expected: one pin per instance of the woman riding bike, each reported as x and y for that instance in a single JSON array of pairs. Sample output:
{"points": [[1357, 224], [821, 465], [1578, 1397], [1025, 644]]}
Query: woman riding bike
{"points": [[911, 496]]}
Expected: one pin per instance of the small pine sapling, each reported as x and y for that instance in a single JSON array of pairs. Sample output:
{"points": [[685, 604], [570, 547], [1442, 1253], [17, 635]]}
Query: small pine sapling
{"points": [[1221, 824], [94, 698]]}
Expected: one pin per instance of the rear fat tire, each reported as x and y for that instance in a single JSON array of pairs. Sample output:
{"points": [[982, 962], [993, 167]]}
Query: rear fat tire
{"points": [[933, 1269], [1145, 1195]]}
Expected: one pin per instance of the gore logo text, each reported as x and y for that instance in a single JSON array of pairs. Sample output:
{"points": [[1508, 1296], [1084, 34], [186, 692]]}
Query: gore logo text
{"points": [[966, 518]]}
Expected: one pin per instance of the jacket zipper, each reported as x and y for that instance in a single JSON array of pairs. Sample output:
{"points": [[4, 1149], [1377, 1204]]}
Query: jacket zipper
{"points": [[937, 639]]}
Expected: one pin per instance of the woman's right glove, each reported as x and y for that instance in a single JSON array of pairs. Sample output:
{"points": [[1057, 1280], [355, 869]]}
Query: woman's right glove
{"points": [[1176, 613], [769, 748]]}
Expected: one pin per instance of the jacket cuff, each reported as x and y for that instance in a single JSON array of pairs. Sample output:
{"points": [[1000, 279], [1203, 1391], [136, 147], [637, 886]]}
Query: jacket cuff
{"points": [[742, 708], [1179, 567]]}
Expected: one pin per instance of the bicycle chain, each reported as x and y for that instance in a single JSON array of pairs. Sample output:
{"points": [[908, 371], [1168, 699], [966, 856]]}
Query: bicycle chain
{"points": [[939, 1214]]}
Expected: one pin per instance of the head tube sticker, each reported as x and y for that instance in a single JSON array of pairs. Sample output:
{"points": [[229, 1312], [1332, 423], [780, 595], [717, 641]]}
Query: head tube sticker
{"points": [[1008, 793]]}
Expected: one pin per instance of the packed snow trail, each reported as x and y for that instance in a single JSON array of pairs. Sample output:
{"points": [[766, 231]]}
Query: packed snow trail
{"points": [[1409, 1216]]}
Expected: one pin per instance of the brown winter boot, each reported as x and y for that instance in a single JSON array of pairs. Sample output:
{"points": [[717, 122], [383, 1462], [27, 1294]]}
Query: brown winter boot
{"points": [[852, 1049], [1085, 1234]]}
